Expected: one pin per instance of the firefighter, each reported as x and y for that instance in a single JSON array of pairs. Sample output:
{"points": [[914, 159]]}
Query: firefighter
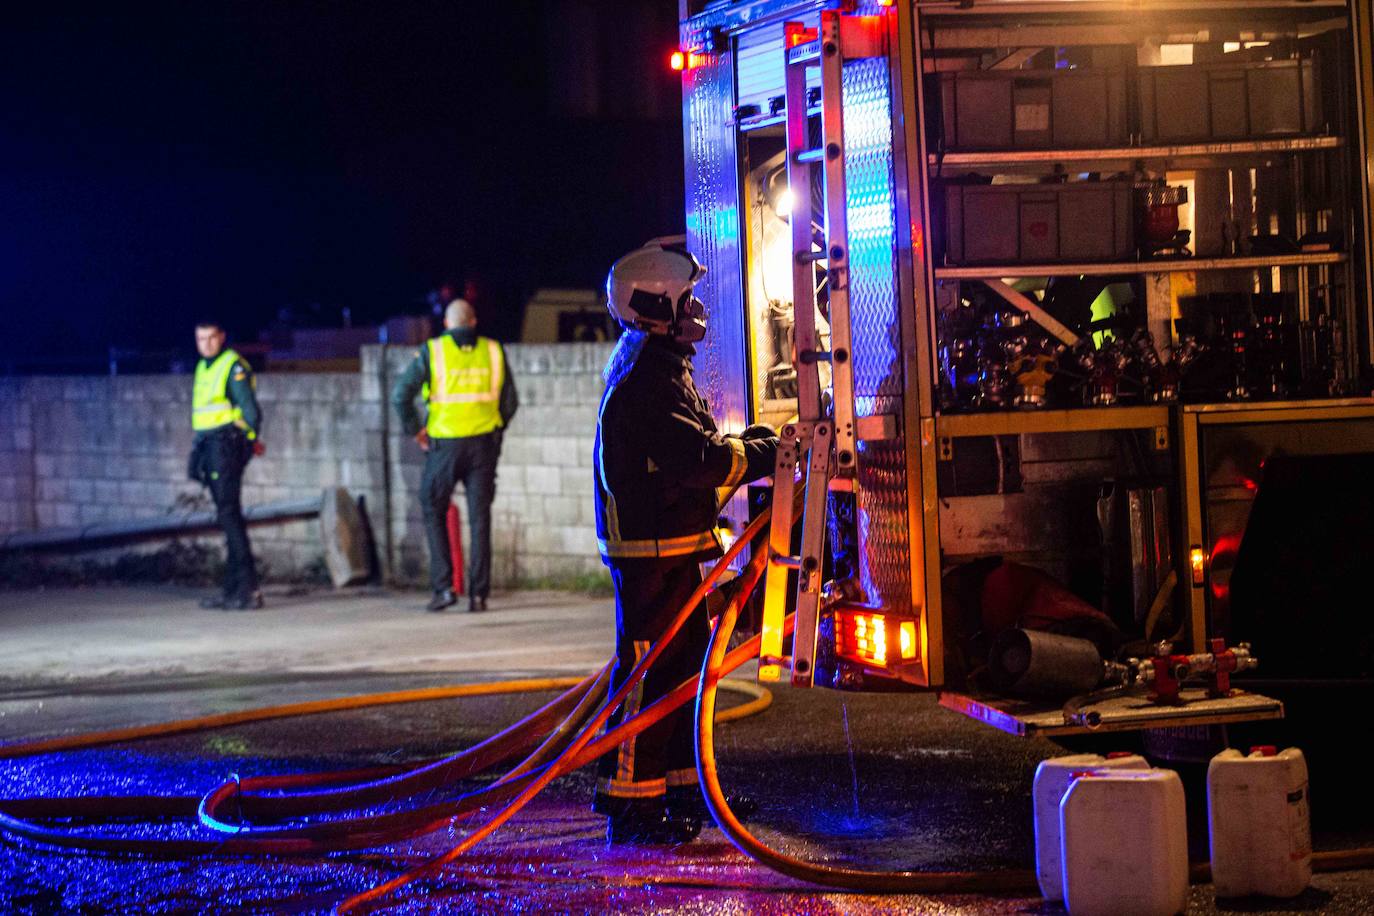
{"points": [[662, 470], [471, 398], [226, 420]]}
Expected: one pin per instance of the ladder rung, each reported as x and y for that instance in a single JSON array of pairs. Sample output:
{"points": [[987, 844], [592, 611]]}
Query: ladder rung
{"points": [[810, 257], [789, 562], [805, 53], [811, 155]]}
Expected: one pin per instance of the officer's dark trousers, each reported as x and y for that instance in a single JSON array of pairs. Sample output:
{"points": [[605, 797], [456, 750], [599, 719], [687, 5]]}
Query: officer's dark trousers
{"points": [[225, 456], [473, 462], [660, 761]]}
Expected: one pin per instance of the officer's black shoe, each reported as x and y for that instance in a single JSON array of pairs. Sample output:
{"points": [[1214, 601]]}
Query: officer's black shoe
{"points": [[251, 602], [214, 602], [651, 828], [441, 600], [476, 604]]}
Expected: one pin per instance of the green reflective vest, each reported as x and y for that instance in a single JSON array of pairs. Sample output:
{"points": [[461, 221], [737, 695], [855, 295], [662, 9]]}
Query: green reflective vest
{"points": [[464, 388], [210, 406]]}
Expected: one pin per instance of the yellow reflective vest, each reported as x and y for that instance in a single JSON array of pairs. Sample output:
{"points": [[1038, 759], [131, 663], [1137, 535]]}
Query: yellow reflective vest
{"points": [[464, 387], [210, 405]]}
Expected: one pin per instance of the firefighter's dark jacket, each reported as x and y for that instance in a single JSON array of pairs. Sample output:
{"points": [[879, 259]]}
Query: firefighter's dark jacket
{"points": [[662, 468]]}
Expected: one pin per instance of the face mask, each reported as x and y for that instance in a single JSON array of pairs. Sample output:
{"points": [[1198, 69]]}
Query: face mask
{"points": [[691, 324]]}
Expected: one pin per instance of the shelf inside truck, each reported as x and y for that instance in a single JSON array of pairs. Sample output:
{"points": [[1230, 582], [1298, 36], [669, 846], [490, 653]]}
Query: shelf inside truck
{"points": [[1078, 419], [1129, 713], [1160, 266], [1130, 154]]}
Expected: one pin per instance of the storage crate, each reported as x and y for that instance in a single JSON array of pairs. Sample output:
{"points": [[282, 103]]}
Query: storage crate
{"points": [[1030, 109], [1034, 223], [1249, 100]]}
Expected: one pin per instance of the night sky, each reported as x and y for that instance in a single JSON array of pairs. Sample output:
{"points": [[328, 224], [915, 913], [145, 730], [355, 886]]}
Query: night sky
{"points": [[163, 162]]}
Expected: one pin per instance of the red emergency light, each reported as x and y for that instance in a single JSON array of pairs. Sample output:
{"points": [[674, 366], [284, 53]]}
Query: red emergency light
{"points": [[796, 33], [871, 638], [686, 60]]}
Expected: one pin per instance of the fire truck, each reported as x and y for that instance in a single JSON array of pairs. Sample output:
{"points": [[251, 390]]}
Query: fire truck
{"points": [[1078, 290]]}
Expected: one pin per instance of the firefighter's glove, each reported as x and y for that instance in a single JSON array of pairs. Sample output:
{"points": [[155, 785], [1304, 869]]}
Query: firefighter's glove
{"points": [[759, 431]]}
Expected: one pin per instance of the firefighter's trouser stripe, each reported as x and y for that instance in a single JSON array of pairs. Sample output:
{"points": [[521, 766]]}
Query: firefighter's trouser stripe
{"points": [[625, 766], [623, 784], [659, 547], [652, 788], [677, 778]]}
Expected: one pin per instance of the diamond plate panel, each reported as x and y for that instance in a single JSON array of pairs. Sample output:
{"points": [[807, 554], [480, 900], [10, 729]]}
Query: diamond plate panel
{"points": [[713, 235], [884, 532]]}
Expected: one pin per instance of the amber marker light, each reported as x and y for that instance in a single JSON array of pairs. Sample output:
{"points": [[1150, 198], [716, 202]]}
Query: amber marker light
{"points": [[1197, 560], [907, 633]]}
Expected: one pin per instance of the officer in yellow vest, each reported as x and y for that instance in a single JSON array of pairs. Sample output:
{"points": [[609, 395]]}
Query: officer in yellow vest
{"points": [[471, 398], [226, 420]]}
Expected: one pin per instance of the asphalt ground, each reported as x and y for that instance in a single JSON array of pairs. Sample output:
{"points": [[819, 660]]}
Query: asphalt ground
{"points": [[878, 781]]}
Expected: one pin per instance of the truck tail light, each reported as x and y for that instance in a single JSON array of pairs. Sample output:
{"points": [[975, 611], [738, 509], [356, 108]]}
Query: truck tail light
{"points": [[688, 60], [871, 638]]}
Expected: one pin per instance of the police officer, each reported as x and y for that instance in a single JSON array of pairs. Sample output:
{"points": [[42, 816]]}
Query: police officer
{"points": [[226, 420], [471, 398], [662, 472]]}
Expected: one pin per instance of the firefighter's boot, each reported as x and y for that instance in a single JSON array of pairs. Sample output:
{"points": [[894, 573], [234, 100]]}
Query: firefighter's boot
{"points": [[651, 825]]}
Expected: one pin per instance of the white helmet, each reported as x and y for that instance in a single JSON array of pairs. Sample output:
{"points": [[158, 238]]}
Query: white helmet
{"points": [[650, 289]]}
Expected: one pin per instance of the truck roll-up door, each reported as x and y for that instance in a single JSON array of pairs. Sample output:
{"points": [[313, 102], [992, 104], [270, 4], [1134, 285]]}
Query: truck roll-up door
{"points": [[758, 74]]}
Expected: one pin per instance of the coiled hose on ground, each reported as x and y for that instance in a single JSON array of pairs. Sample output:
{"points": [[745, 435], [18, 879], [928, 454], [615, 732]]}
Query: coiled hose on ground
{"points": [[549, 750]]}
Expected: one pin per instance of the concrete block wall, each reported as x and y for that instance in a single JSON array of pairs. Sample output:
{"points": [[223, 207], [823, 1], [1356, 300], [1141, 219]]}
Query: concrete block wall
{"points": [[74, 451]]}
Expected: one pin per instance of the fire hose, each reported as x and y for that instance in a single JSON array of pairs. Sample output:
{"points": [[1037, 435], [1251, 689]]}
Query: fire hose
{"points": [[568, 746]]}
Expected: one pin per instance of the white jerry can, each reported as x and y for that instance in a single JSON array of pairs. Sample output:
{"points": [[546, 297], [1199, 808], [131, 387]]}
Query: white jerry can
{"points": [[1052, 778], [1124, 844], [1261, 832]]}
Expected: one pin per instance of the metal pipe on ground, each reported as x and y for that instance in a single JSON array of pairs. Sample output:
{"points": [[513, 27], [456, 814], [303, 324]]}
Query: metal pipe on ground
{"points": [[106, 534]]}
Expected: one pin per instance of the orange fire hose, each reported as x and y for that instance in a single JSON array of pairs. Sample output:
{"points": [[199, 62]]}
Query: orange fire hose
{"points": [[571, 740], [752, 573], [716, 664]]}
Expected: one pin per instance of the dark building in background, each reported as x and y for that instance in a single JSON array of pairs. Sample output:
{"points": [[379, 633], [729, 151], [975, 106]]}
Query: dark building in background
{"points": [[165, 162]]}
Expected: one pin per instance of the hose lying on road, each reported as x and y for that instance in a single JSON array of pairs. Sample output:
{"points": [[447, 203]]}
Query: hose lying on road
{"points": [[565, 763], [550, 750], [906, 882], [17, 815], [314, 707]]}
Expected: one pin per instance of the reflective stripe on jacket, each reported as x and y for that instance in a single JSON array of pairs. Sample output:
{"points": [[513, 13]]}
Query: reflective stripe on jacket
{"points": [[660, 460], [210, 405], [464, 387]]}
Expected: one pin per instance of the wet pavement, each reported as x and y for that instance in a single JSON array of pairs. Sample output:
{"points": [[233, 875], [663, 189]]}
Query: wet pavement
{"points": [[875, 781]]}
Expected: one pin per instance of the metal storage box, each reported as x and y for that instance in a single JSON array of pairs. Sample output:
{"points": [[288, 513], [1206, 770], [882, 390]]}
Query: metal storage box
{"points": [[1033, 223], [1027, 109], [1229, 101]]}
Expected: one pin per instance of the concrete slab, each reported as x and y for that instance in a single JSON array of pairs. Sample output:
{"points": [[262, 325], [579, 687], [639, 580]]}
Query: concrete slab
{"points": [[67, 636]]}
